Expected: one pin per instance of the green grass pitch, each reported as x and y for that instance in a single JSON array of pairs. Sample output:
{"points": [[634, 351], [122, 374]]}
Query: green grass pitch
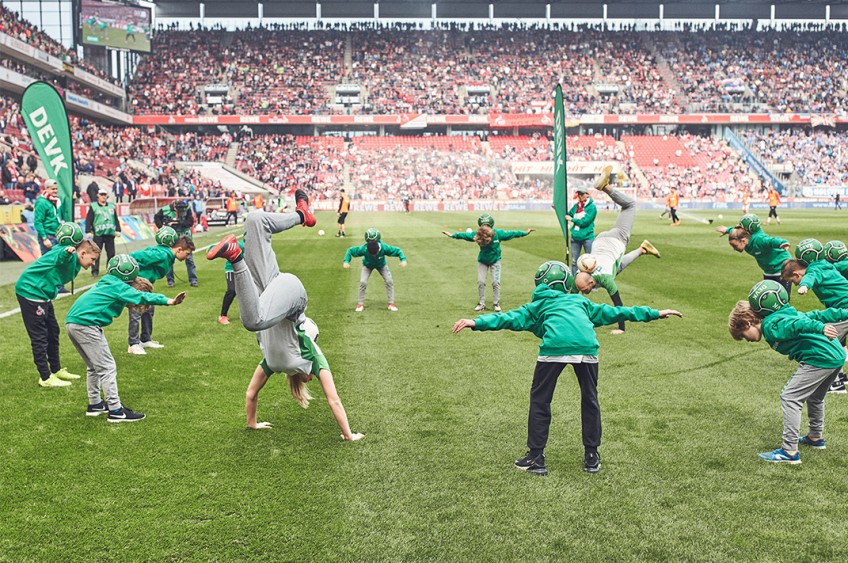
{"points": [[685, 411]]}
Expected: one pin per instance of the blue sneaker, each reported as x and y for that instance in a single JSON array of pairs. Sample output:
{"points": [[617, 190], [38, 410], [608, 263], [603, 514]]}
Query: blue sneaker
{"points": [[807, 441], [780, 456]]}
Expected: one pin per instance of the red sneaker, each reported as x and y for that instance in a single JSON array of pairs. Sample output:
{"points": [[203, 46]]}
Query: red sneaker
{"points": [[224, 320], [303, 206], [228, 248]]}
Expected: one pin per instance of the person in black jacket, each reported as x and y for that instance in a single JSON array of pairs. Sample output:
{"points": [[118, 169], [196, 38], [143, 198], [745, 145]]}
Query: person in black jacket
{"points": [[178, 216]]}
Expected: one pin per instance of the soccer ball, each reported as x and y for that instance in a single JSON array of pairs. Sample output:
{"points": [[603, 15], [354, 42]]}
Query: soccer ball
{"points": [[166, 236], [750, 223], [720, 216], [835, 251], [321, 233], [469, 230], [372, 234], [123, 266], [486, 219], [587, 263], [555, 275], [809, 250], [69, 234], [767, 297]]}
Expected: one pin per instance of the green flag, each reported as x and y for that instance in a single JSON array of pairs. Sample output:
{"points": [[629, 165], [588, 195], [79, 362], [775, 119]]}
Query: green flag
{"points": [[560, 173], [47, 122]]}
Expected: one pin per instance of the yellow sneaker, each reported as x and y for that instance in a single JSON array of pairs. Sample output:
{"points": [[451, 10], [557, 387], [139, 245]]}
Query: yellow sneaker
{"points": [[52, 381], [65, 375], [602, 181], [649, 248]]}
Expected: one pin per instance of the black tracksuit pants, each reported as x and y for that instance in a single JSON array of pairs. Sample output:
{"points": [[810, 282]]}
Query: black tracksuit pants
{"points": [[40, 322], [107, 245], [541, 394]]}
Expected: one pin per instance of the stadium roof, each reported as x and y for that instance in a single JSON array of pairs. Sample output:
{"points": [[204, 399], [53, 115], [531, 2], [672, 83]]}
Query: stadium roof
{"points": [[527, 9]]}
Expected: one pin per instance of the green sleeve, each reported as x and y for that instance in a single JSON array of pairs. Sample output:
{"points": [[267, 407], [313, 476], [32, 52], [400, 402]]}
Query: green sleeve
{"points": [[464, 236], [786, 328], [842, 267], [766, 241], [38, 220], [354, 252], [572, 211], [810, 279], [517, 319], [131, 295], [601, 314], [607, 281], [829, 315], [389, 250], [588, 218], [728, 229], [509, 235]]}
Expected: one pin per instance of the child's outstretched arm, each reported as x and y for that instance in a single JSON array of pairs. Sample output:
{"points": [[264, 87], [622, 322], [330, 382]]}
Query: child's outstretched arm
{"points": [[460, 235], [808, 281], [601, 314], [463, 323], [508, 235], [325, 378], [353, 251], [396, 252]]}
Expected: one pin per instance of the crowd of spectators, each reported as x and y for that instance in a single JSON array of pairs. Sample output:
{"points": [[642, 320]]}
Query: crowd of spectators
{"points": [[816, 157], [754, 71], [285, 162]]}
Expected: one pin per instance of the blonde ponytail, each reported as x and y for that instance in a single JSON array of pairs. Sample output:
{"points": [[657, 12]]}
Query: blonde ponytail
{"points": [[299, 390]]}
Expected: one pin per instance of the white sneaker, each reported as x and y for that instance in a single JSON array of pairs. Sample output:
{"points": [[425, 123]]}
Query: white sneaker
{"points": [[360, 308], [392, 307], [480, 307], [497, 308], [136, 349], [152, 344]]}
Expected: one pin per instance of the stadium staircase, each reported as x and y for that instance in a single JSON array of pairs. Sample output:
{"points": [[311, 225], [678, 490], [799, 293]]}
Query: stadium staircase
{"points": [[667, 74], [232, 152]]}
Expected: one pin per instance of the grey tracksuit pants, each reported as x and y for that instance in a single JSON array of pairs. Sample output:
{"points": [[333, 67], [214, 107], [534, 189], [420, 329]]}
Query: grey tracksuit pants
{"points": [[101, 370], [482, 272], [809, 384], [146, 321], [271, 303], [614, 241], [387, 277]]}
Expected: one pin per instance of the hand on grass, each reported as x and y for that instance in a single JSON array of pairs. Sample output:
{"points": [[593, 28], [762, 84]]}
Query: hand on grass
{"points": [[721, 229], [346, 265], [447, 234], [666, 313], [463, 323], [353, 437], [178, 299], [261, 426], [616, 331], [403, 264], [803, 289], [530, 231], [830, 331]]}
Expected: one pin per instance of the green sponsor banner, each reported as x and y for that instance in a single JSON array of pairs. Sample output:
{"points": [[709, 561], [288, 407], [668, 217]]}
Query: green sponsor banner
{"points": [[560, 173], [47, 122]]}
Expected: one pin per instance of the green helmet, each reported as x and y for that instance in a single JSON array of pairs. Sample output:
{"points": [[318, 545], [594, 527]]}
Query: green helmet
{"points": [[166, 236], [372, 234], [767, 297], [123, 266], [486, 219], [809, 250], [69, 234], [555, 275], [750, 223], [835, 251]]}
